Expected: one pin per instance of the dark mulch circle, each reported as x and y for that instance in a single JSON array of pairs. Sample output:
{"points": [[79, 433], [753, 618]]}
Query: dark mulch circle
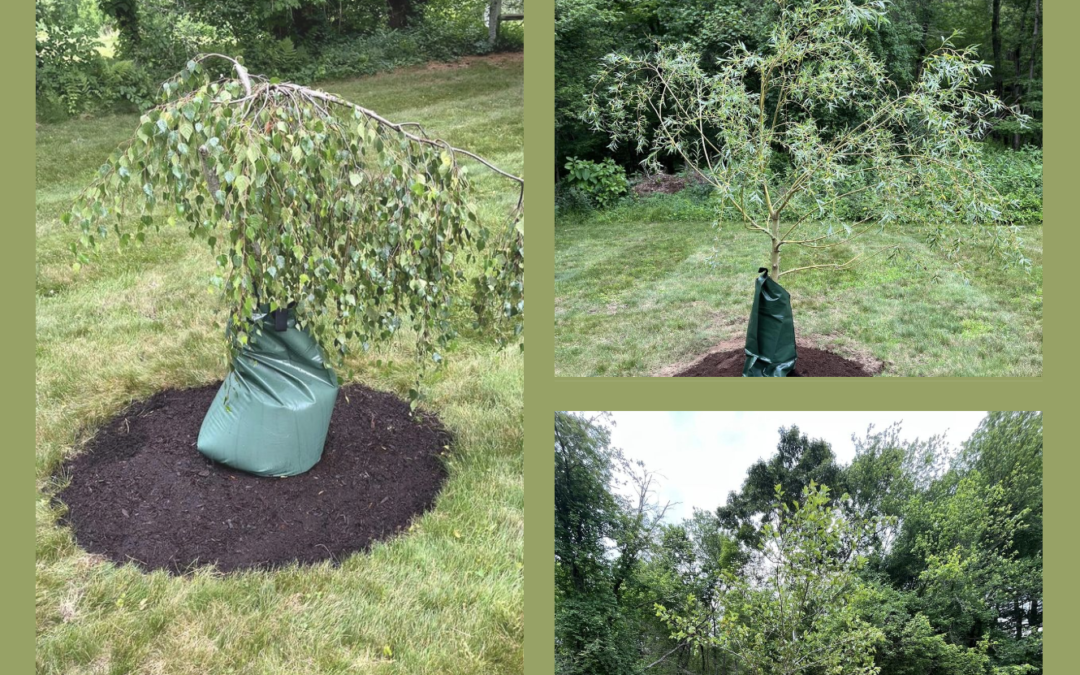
{"points": [[142, 493], [812, 362]]}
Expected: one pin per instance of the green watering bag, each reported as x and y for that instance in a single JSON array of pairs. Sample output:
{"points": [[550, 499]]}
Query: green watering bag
{"points": [[271, 414], [770, 337]]}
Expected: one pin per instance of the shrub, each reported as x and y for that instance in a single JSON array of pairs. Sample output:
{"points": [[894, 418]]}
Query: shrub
{"points": [[129, 82], [69, 67], [603, 182], [571, 200], [1018, 176], [74, 78]]}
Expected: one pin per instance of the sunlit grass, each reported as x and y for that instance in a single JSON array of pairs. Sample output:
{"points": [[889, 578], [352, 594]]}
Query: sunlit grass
{"points": [[653, 284], [446, 597]]}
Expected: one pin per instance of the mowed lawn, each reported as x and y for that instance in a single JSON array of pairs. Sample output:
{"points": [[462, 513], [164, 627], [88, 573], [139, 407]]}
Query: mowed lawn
{"points": [[445, 597], [654, 283]]}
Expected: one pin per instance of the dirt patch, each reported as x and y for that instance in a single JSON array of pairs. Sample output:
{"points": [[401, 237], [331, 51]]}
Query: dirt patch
{"points": [[726, 358], [661, 183], [812, 362], [142, 493], [498, 59]]}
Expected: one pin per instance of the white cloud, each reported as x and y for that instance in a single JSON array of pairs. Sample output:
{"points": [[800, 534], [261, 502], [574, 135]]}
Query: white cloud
{"points": [[701, 456]]}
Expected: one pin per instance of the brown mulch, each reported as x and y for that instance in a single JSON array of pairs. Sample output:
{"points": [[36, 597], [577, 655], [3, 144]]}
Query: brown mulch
{"points": [[140, 491], [811, 362], [661, 183]]}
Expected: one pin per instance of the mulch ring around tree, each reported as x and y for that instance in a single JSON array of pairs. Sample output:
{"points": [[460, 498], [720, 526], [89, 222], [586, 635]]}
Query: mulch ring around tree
{"points": [[141, 492], [810, 363], [727, 359]]}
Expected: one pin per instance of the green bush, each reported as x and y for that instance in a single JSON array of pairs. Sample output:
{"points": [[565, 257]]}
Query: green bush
{"points": [[1018, 175], [306, 45], [69, 68], [571, 200], [129, 82], [603, 182]]}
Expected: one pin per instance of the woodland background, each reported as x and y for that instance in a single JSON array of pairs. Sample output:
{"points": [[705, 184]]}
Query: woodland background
{"points": [[101, 55], [951, 586]]}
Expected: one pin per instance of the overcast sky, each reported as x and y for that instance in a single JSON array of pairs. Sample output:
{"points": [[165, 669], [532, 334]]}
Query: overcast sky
{"points": [[701, 456]]}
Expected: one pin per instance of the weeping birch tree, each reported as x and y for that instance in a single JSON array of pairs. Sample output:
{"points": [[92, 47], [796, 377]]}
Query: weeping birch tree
{"points": [[761, 128], [360, 226]]}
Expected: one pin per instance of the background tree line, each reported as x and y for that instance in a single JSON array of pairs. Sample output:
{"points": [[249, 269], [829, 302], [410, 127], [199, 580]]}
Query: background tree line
{"points": [[94, 54], [908, 560], [1007, 32]]}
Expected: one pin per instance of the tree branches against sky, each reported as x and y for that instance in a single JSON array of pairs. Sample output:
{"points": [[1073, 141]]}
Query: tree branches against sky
{"points": [[701, 456]]}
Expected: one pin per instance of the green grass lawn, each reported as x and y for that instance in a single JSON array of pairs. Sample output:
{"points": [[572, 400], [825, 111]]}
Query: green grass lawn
{"points": [[446, 597], [653, 283]]}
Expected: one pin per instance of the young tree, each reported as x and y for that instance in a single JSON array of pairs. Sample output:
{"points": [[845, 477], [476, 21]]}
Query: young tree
{"points": [[797, 612], [762, 130], [358, 224]]}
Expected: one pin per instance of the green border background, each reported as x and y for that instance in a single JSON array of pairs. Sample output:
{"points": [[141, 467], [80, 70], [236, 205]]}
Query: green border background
{"points": [[1054, 392], [17, 399]]}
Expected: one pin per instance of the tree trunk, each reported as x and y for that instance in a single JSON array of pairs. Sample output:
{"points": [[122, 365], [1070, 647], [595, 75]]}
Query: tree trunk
{"points": [[1035, 40], [1018, 94], [401, 11], [926, 17], [774, 230], [494, 10], [995, 42]]}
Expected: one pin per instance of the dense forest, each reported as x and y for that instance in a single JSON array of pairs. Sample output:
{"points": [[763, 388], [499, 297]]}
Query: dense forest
{"points": [[1007, 33], [95, 55], [910, 560]]}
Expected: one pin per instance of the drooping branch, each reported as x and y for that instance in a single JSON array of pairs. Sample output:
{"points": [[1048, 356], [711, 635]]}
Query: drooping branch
{"points": [[358, 224], [267, 88]]}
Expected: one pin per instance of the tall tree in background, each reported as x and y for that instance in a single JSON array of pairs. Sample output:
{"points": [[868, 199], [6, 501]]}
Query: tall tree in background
{"points": [[590, 635], [126, 15], [607, 524], [798, 461]]}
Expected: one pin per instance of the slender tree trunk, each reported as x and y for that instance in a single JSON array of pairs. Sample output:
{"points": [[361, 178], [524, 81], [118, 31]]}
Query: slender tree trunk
{"points": [[774, 230], [995, 43], [927, 15], [1018, 94], [1035, 40], [1018, 86], [494, 10]]}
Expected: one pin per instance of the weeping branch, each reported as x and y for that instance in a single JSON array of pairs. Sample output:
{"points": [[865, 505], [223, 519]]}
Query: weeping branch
{"points": [[266, 89]]}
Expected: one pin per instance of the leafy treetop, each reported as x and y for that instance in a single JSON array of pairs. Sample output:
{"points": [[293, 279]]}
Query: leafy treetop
{"points": [[362, 225], [761, 129]]}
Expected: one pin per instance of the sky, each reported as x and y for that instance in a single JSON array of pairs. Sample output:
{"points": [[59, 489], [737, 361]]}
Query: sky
{"points": [[701, 456]]}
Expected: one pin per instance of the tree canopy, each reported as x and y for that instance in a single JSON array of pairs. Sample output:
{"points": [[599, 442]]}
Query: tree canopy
{"points": [[759, 128], [1007, 34], [360, 224], [918, 559]]}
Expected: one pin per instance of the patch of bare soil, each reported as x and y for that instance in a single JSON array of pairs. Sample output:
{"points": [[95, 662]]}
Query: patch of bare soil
{"points": [[727, 358], [661, 183], [498, 60]]}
